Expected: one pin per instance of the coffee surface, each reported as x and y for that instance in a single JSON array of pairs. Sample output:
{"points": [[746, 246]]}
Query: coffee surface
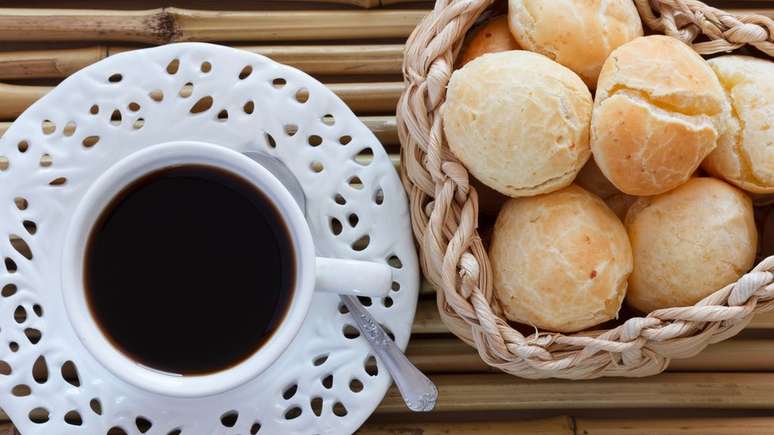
{"points": [[189, 270]]}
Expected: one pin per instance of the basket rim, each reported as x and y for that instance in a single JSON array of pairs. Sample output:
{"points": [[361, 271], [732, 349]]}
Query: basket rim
{"points": [[444, 214]]}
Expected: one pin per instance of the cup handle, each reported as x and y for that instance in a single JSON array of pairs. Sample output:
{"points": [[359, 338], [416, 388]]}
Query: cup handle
{"points": [[353, 277]]}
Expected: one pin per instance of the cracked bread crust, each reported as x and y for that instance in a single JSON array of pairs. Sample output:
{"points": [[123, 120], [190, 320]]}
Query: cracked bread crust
{"points": [[560, 261], [745, 152], [658, 113], [688, 243], [518, 121]]}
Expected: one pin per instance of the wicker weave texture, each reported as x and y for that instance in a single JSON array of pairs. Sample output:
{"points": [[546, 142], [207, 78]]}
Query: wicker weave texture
{"points": [[444, 210]]}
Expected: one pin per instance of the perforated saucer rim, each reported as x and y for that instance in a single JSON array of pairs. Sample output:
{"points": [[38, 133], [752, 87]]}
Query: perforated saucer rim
{"points": [[131, 101]]}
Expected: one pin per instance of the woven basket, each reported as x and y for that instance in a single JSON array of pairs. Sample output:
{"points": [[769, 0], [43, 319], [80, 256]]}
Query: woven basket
{"points": [[444, 210]]}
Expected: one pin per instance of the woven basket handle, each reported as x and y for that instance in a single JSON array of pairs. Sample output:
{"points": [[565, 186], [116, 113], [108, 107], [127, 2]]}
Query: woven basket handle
{"points": [[686, 19]]}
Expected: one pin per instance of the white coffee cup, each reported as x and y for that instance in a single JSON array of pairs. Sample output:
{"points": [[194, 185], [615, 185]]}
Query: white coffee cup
{"points": [[312, 273]]}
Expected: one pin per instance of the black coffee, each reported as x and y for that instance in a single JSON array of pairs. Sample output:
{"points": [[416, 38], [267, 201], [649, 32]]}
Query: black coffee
{"points": [[189, 270]]}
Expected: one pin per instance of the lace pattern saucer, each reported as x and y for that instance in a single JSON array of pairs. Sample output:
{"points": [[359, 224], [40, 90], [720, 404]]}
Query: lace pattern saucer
{"points": [[327, 381]]}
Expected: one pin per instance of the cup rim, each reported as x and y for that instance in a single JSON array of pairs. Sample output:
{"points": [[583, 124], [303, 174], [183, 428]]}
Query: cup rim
{"points": [[105, 187]]}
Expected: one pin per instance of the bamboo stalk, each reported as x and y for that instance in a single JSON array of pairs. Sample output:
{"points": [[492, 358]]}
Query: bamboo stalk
{"points": [[15, 99], [427, 320], [450, 355], [383, 127], [321, 59], [547, 426], [563, 425], [191, 25], [762, 321], [149, 26], [566, 425], [769, 12], [444, 355], [678, 426], [493, 392], [359, 3], [47, 63], [296, 25], [400, 2], [338, 59], [370, 98], [156, 26], [376, 3]]}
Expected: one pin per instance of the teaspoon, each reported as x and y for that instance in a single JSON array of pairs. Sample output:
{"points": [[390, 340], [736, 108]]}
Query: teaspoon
{"points": [[417, 390]]}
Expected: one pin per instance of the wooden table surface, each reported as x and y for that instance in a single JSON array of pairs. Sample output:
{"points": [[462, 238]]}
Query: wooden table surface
{"points": [[356, 46]]}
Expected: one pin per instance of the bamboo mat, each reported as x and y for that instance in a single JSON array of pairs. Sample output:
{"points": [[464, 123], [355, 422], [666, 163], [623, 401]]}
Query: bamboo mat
{"points": [[356, 47]]}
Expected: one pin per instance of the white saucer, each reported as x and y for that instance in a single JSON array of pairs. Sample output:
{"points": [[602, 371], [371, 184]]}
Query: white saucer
{"points": [[322, 372]]}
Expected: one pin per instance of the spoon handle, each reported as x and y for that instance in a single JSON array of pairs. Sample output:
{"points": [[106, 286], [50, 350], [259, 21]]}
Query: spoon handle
{"points": [[419, 392]]}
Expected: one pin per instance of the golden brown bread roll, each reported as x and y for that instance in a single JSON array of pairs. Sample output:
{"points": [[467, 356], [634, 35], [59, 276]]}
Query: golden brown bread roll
{"points": [[560, 260], [658, 112], [579, 34], [688, 243], [518, 121], [492, 37], [745, 152]]}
